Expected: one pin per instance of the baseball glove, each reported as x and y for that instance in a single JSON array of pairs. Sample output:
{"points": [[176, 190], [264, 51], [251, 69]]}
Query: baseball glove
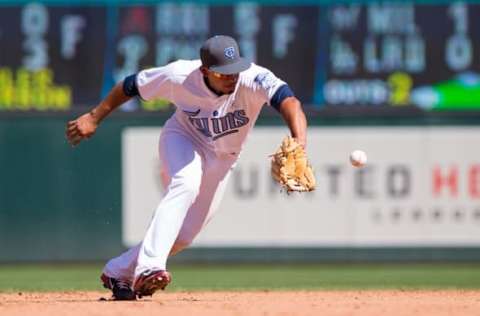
{"points": [[290, 167]]}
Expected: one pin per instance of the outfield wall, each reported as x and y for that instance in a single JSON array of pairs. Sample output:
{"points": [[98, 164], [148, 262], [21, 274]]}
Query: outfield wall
{"points": [[64, 204]]}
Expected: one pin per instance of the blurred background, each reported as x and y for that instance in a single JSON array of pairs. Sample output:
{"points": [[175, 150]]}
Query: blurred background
{"points": [[400, 81]]}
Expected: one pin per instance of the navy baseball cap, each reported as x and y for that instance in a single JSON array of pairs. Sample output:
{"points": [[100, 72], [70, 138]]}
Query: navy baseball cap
{"points": [[221, 54]]}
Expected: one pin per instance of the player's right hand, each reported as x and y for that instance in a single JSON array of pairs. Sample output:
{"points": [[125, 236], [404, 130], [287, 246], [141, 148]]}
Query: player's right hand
{"points": [[82, 128]]}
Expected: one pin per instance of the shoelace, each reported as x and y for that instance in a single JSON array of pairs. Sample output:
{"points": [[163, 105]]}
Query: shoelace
{"points": [[122, 284]]}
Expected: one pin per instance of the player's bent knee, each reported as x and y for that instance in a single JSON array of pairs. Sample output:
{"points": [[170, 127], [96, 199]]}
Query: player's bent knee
{"points": [[189, 188]]}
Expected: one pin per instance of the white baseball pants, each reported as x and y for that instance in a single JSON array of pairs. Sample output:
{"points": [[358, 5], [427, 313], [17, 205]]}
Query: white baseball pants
{"points": [[195, 181]]}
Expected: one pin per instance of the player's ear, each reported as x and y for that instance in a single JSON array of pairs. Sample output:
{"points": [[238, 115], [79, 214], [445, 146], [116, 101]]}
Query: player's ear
{"points": [[204, 70]]}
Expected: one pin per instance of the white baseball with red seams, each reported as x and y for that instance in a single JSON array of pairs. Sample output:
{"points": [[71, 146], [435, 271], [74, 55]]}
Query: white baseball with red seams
{"points": [[358, 158]]}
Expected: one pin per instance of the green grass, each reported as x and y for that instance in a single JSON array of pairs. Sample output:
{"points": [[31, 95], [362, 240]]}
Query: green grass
{"points": [[256, 277]]}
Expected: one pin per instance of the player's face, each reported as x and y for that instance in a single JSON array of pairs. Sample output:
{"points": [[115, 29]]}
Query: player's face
{"points": [[220, 82]]}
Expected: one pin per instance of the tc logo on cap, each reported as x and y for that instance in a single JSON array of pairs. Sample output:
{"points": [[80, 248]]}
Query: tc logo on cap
{"points": [[229, 52]]}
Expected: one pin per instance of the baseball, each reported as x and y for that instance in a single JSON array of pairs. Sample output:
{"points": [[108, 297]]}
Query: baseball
{"points": [[358, 158]]}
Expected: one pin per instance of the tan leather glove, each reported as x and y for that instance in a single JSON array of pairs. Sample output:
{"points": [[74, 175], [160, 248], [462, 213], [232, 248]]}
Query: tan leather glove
{"points": [[290, 167]]}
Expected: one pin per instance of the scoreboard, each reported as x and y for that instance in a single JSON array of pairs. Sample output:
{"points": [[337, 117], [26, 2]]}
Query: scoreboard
{"points": [[52, 58], [365, 56], [403, 54]]}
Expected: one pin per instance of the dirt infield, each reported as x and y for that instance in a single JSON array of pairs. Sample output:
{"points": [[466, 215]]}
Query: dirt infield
{"points": [[371, 303]]}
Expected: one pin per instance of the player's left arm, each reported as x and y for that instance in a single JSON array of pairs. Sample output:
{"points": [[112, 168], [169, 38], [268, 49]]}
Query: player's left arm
{"points": [[291, 110], [282, 98]]}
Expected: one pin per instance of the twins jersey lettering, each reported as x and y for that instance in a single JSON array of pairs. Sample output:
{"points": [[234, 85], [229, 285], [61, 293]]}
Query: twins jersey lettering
{"points": [[219, 123], [220, 127]]}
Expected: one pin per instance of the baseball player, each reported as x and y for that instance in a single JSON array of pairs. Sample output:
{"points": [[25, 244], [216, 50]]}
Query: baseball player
{"points": [[218, 99]]}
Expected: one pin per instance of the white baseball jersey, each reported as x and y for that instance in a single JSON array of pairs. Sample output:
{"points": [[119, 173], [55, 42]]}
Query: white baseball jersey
{"points": [[219, 123]]}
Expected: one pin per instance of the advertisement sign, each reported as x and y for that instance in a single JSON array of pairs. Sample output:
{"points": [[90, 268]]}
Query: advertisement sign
{"points": [[420, 187]]}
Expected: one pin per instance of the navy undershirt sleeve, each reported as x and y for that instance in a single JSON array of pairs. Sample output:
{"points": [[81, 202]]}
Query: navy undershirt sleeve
{"points": [[130, 86], [281, 94]]}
